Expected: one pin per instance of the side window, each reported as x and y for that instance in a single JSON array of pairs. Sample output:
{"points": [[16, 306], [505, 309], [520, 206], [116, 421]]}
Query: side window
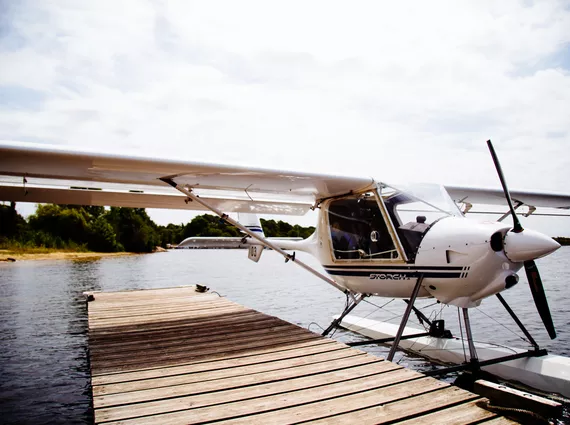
{"points": [[358, 230]]}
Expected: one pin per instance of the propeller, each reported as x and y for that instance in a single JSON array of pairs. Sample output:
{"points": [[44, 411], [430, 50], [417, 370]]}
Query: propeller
{"points": [[534, 280], [517, 224], [537, 290]]}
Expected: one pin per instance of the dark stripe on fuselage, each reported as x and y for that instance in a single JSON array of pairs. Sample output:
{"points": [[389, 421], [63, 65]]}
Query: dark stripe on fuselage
{"points": [[399, 274], [381, 267]]}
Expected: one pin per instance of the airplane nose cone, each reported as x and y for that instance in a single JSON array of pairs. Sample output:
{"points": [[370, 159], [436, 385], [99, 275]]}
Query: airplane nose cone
{"points": [[528, 245]]}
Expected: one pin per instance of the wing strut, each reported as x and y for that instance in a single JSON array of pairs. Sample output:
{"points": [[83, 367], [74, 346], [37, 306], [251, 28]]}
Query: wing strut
{"points": [[254, 235], [508, 213]]}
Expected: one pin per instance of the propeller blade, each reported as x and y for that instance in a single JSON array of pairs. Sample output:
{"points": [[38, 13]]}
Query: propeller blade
{"points": [[517, 224], [539, 296], [534, 280]]}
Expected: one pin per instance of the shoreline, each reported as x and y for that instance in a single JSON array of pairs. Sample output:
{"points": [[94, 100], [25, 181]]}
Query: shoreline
{"points": [[7, 255]]}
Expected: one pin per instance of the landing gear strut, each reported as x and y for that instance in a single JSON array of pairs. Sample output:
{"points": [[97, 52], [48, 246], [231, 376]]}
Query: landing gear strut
{"points": [[472, 352], [350, 305], [474, 364], [405, 318]]}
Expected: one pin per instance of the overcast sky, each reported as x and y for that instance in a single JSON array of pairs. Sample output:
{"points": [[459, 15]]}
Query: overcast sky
{"points": [[395, 90]]}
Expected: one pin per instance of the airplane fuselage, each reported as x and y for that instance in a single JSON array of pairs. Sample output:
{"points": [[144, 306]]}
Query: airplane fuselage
{"points": [[461, 261]]}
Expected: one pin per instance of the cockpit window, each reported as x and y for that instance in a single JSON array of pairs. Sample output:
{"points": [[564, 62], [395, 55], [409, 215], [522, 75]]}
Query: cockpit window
{"points": [[358, 230], [414, 208], [430, 199]]}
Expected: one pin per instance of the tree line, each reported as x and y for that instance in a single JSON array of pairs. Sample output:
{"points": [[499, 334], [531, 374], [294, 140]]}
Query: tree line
{"points": [[115, 229]]}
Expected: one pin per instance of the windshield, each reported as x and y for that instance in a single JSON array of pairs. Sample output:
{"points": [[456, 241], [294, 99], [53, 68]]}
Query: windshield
{"points": [[410, 200], [414, 208]]}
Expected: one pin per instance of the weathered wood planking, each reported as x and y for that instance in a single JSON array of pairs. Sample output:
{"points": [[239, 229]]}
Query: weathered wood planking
{"points": [[175, 356]]}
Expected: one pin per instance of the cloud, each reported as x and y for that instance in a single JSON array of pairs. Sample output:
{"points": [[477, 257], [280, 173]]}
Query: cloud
{"points": [[401, 91]]}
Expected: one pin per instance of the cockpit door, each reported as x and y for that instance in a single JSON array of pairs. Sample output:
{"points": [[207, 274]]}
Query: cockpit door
{"points": [[360, 230]]}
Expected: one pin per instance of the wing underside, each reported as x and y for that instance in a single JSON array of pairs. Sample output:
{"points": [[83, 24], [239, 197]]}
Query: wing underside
{"points": [[58, 174], [52, 174], [104, 194]]}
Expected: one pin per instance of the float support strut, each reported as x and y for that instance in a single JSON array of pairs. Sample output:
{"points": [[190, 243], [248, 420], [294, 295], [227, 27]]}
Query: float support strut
{"points": [[472, 351], [421, 317], [518, 322], [349, 307], [405, 318]]}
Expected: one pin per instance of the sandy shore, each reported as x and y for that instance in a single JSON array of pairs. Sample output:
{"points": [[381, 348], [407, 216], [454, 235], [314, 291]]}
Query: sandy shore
{"points": [[6, 255]]}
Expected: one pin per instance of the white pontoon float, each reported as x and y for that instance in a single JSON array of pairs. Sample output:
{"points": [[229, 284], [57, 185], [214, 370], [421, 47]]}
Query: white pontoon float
{"points": [[548, 373]]}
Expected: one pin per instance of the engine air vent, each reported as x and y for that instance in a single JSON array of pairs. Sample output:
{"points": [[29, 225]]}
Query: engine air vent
{"points": [[497, 241]]}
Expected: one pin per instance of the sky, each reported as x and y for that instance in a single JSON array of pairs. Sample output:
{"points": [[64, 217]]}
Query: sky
{"points": [[400, 91]]}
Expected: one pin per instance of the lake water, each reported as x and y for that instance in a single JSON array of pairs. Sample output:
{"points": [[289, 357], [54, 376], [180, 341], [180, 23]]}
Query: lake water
{"points": [[44, 368]]}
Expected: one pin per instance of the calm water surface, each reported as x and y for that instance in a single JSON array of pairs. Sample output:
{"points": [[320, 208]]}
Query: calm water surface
{"points": [[44, 369]]}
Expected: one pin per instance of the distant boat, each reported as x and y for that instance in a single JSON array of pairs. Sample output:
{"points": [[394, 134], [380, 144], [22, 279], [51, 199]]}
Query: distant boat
{"points": [[214, 242]]}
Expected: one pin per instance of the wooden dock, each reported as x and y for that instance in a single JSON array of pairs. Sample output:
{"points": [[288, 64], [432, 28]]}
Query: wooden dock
{"points": [[175, 356]]}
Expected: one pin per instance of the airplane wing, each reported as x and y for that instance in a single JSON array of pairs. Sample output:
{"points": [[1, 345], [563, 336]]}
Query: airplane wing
{"points": [[57, 174], [487, 196]]}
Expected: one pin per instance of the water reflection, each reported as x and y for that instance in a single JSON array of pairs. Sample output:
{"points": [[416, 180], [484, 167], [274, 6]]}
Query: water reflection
{"points": [[45, 368]]}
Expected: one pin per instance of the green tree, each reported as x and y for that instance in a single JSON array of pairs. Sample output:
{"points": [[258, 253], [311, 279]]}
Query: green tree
{"points": [[171, 234], [281, 229], [130, 229], [269, 228], [12, 224], [196, 227], [284, 228], [209, 225], [103, 237], [92, 210], [63, 224], [135, 231]]}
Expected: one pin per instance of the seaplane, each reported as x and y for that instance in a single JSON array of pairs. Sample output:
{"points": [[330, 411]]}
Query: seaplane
{"points": [[372, 238]]}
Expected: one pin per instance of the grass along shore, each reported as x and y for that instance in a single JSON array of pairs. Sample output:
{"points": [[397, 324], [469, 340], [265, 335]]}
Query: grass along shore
{"points": [[40, 253]]}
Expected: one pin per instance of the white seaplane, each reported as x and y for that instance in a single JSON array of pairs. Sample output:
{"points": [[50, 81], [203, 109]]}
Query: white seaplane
{"points": [[364, 238]]}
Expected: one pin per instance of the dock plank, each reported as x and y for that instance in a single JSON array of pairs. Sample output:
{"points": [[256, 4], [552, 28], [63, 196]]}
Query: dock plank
{"points": [[154, 308], [222, 362], [499, 421], [184, 305], [184, 342], [467, 413], [233, 382], [210, 375], [245, 405], [404, 408], [111, 344], [350, 405], [175, 356], [344, 380], [173, 359], [164, 317], [204, 343], [135, 331]]}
